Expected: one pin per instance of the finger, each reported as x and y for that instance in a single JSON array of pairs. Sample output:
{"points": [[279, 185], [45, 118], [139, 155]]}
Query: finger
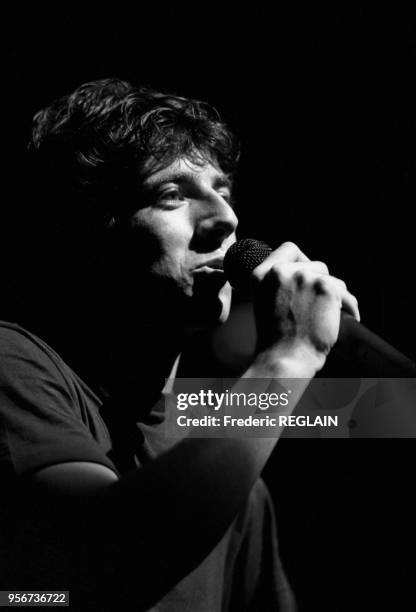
{"points": [[288, 252], [307, 271], [348, 300], [320, 267], [350, 304], [303, 273]]}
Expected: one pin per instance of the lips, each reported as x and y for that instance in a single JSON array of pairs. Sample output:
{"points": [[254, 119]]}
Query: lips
{"points": [[211, 264], [209, 275]]}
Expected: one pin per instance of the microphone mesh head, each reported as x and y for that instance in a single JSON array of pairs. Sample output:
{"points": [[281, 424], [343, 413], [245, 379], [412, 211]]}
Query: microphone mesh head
{"points": [[241, 259]]}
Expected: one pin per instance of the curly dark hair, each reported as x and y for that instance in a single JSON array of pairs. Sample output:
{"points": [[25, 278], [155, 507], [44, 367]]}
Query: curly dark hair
{"points": [[97, 141]]}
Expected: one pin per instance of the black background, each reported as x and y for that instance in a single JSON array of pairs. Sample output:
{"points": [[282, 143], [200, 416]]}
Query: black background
{"points": [[322, 98]]}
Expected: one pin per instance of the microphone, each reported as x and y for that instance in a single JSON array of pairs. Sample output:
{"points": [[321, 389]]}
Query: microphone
{"points": [[356, 343]]}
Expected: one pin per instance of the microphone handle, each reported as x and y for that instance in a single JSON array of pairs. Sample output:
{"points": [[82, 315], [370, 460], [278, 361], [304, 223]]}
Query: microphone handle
{"points": [[373, 355]]}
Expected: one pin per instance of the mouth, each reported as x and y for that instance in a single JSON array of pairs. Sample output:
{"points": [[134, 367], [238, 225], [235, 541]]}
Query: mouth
{"points": [[209, 275], [209, 271], [211, 265]]}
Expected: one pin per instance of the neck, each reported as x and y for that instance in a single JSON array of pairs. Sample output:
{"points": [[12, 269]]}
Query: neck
{"points": [[126, 353]]}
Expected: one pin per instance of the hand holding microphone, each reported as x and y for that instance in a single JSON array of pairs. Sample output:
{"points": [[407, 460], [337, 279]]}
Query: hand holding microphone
{"points": [[298, 310], [297, 303]]}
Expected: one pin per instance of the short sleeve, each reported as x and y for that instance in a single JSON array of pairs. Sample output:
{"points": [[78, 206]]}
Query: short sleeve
{"points": [[41, 421]]}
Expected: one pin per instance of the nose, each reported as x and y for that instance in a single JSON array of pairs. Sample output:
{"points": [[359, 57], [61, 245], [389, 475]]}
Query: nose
{"points": [[215, 222]]}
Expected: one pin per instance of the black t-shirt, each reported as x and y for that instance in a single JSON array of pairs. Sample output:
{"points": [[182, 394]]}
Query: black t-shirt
{"points": [[48, 415]]}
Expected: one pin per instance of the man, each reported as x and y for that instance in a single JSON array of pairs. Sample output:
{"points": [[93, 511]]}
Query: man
{"points": [[137, 213]]}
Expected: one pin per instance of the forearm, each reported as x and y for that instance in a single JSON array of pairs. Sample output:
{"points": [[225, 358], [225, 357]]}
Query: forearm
{"points": [[198, 487], [168, 514]]}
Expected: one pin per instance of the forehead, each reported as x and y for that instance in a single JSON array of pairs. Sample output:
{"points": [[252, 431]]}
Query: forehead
{"points": [[186, 170]]}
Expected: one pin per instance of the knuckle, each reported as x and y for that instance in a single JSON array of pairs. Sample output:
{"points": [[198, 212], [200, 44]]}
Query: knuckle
{"points": [[340, 283], [289, 245], [322, 286], [323, 267], [309, 277]]}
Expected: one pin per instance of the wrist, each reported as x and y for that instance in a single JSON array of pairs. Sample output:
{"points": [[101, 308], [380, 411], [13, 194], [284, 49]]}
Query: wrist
{"points": [[295, 360]]}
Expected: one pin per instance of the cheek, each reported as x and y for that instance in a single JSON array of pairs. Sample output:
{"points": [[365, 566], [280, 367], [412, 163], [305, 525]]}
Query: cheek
{"points": [[154, 234], [162, 239]]}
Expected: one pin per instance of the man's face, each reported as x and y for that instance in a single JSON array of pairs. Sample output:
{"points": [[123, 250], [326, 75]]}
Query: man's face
{"points": [[183, 230]]}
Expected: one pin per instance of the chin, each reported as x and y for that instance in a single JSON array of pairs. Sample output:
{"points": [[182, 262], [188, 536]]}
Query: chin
{"points": [[212, 310], [225, 296]]}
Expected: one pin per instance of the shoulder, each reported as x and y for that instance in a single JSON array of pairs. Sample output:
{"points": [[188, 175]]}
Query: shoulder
{"points": [[15, 338], [21, 350], [32, 373], [45, 416]]}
